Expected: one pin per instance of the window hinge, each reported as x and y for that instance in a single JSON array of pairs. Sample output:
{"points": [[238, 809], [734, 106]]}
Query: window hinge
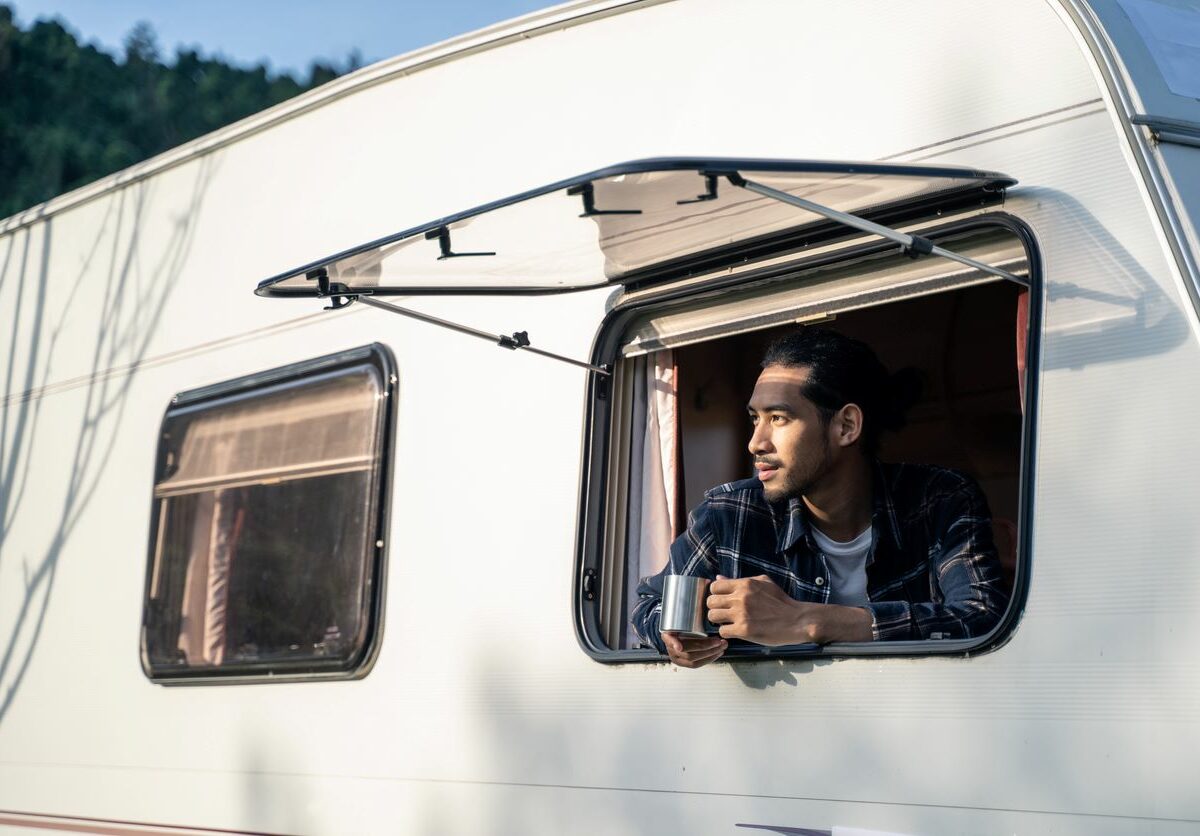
{"points": [[602, 384], [589, 584]]}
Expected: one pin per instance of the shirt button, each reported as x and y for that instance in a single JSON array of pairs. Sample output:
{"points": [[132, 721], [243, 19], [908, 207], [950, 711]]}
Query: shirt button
{"points": [[820, 581]]}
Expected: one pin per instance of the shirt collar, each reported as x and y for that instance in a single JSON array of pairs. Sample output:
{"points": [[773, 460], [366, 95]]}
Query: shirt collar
{"points": [[795, 525], [884, 521]]}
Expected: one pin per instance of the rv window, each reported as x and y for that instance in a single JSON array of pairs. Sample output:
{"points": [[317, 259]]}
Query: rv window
{"points": [[675, 424], [265, 554]]}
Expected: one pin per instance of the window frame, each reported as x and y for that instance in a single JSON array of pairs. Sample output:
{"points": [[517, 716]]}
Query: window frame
{"points": [[589, 568], [360, 663]]}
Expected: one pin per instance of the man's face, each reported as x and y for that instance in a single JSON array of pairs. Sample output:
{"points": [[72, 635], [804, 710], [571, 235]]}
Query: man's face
{"points": [[790, 442]]}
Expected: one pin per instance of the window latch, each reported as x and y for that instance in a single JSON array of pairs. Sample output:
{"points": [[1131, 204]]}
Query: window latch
{"points": [[587, 192], [442, 234], [710, 190]]}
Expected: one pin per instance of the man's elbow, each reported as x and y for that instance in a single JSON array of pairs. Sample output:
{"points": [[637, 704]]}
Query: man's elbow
{"points": [[985, 616]]}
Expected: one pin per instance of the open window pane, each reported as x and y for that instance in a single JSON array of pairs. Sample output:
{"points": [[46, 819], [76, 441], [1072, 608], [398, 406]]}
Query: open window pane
{"points": [[265, 558], [620, 223]]}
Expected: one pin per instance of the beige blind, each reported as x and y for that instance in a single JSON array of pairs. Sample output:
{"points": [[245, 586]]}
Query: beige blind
{"points": [[822, 293], [312, 429]]}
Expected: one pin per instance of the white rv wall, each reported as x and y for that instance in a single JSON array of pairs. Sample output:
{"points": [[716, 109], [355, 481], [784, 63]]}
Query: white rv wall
{"points": [[482, 714]]}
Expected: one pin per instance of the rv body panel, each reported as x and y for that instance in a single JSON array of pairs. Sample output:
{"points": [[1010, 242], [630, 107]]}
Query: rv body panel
{"points": [[481, 712]]}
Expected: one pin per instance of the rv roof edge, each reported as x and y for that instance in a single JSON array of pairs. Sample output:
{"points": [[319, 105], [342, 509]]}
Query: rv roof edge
{"points": [[1132, 79]]}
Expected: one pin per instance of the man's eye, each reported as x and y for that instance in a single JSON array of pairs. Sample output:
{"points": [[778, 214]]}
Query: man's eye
{"points": [[778, 420]]}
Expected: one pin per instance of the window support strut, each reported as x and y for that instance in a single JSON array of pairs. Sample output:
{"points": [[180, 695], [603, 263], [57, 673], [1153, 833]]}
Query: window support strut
{"points": [[519, 339], [341, 297], [914, 246]]}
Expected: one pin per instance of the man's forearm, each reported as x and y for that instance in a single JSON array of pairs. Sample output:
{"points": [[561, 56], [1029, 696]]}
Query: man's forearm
{"points": [[960, 619], [835, 623]]}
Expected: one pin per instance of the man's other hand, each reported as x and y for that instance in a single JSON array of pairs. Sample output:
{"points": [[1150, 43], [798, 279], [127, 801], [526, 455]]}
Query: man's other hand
{"points": [[757, 610], [689, 652]]}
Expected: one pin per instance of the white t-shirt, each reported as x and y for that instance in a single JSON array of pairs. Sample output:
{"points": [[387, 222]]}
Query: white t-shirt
{"points": [[847, 566]]}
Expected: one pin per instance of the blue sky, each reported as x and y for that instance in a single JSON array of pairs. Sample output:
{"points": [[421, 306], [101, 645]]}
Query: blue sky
{"points": [[285, 34]]}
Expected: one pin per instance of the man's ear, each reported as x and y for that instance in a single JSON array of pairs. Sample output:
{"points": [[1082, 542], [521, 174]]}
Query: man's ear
{"points": [[847, 425]]}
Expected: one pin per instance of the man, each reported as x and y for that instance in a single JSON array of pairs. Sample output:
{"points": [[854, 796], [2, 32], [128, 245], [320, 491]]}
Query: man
{"points": [[827, 544]]}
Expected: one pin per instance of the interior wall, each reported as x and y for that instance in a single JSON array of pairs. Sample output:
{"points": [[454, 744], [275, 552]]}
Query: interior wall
{"points": [[715, 379]]}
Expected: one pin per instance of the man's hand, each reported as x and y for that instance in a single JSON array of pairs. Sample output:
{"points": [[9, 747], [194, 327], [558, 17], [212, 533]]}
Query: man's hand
{"points": [[689, 652], [757, 610]]}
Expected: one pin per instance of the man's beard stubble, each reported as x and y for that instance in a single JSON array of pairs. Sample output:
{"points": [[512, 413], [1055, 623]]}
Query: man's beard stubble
{"points": [[801, 477]]}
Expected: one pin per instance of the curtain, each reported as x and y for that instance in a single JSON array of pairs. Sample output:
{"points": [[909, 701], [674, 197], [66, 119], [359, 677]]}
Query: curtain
{"points": [[205, 616], [654, 496]]}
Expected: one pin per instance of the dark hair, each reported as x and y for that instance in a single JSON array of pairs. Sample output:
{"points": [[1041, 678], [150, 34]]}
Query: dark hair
{"points": [[844, 370]]}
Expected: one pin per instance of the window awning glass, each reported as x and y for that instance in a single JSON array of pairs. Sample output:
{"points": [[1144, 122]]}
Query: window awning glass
{"points": [[625, 223]]}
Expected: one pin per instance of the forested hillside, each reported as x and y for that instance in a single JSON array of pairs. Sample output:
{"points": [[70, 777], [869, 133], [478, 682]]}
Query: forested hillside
{"points": [[70, 113]]}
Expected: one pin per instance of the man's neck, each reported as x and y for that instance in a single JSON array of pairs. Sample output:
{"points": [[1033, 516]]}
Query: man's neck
{"points": [[841, 505]]}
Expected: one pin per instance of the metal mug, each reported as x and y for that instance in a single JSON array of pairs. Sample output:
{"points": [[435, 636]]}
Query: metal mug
{"points": [[684, 609]]}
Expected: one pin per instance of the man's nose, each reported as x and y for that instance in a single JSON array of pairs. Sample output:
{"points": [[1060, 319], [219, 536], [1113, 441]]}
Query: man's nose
{"points": [[760, 439]]}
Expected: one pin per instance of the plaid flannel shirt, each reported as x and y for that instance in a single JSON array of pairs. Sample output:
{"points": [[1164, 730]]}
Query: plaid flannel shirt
{"points": [[932, 571]]}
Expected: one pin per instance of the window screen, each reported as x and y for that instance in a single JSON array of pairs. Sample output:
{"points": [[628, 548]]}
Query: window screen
{"points": [[265, 558]]}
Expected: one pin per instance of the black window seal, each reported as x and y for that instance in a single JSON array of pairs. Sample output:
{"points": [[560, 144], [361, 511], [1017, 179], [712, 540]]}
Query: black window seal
{"points": [[362, 662], [590, 541]]}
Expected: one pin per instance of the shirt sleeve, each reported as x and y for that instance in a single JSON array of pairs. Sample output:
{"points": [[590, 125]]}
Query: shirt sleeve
{"points": [[692, 553], [965, 576]]}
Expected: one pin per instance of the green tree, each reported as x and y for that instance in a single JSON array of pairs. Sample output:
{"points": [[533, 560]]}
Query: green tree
{"points": [[71, 113]]}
